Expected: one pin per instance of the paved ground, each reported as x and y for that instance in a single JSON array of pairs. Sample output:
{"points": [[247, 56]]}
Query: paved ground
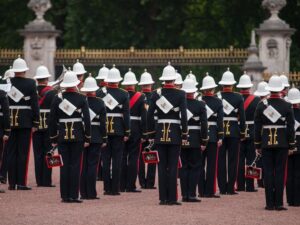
{"points": [[43, 206]]}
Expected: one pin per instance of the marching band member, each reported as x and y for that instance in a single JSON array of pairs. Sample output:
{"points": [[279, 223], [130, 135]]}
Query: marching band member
{"points": [[147, 181], [197, 141], [234, 128], [262, 93], [40, 138], [293, 173], [118, 131], [91, 154], [101, 92], [24, 118], [286, 84], [70, 129], [214, 108], [4, 124], [169, 133], [178, 82], [274, 137], [138, 132], [247, 148], [79, 70]]}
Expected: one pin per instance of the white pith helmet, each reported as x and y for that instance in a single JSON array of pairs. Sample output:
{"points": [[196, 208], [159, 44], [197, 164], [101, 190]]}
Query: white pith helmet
{"points": [[208, 82], [78, 68], [103, 72], [245, 81], [169, 73], [113, 76], [70, 80], [275, 84], [178, 80], [8, 73], [90, 84], [285, 80], [227, 78], [192, 76], [189, 85], [261, 89], [129, 78], [146, 78], [19, 65], [42, 72], [294, 96]]}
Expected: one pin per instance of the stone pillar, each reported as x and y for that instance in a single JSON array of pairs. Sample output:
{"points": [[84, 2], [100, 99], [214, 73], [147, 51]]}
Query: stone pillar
{"points": [[40, 39], [253, 66], [274, 39]]}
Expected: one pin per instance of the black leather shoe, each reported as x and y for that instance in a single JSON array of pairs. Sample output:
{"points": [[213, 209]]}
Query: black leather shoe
{"points": [[174, 203], [12, 187], [269, 208], [107, 193], [194, 199], [211, 196], [223, 193], [185, 199], [2, 191], [240, 189], [254, 190], [163, 203], [280, 208], [50, 185], [92, 198], [152, 187], [66, 200], [232, 193], [133, 191], [115, 193], [23, 188], [75, 200], [3, 180]]}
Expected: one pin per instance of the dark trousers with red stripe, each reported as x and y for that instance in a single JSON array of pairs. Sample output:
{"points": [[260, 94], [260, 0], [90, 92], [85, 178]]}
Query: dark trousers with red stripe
{"points": [[91, 156], [3, 159], [293, 180], [208, 172], [41, 145], [146, 180], [247, 155], [190, 171], [71, 153], [18, 148], [130, 163], [228, 155], [112, 156], [167, 171], [274, 161]]}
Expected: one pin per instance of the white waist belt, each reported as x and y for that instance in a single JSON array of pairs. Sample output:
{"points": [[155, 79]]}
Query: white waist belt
{"points": [[70, 120], [19, 107], [194, 127], [95, 123], [1, 114], [230, 119], [114, 115], [44, 110], [297, 133], [155, 118], [211, 123], [169, 121], [274, 126], [135, 118], [249, 122]]}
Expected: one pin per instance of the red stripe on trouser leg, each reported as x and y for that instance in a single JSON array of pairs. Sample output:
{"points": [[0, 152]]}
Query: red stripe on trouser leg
{"points": [[285, 172], [138, 161], [237, 166], [216, 171], [81, 163], [27, 161], [177, 186]]}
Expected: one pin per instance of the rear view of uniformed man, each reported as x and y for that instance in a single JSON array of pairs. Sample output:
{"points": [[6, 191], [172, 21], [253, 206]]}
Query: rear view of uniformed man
{"points": [[40, 138], [197, 141], [171, 129], [274, 137], [293, 173], [234, 131], [247, 148], [70, 131], [24, 118], [79, 70], [208, 177], [118, 131], [138, 131]]}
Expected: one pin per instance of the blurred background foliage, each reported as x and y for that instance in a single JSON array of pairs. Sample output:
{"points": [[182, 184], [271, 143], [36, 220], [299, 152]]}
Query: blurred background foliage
{"points": [[151, 24]]}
